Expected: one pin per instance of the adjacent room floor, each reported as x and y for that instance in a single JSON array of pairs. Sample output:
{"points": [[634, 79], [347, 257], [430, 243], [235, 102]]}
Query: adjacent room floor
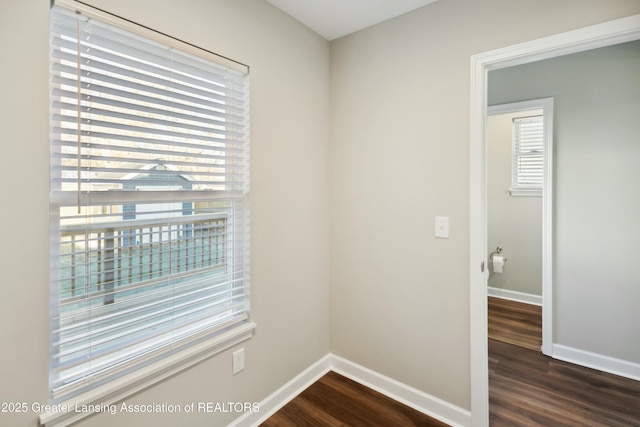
{"points": [[527, 388]]}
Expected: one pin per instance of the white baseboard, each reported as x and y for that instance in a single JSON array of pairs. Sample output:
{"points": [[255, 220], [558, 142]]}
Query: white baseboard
{"points": [[596, 361], [416, 399], [284, 394], [514, 296], [608, 364]]}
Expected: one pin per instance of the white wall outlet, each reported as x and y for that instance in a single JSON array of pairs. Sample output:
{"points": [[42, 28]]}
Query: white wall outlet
{"points": [[238, 361]]}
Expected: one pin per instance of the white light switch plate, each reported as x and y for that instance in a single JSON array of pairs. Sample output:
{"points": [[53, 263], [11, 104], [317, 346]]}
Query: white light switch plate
{"points": [[442, 227]]}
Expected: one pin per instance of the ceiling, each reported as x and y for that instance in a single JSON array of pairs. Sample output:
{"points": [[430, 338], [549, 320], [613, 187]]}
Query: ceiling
{"points": [[333, 19]]}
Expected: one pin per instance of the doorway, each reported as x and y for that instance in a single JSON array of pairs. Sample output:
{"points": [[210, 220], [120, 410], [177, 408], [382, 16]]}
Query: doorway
{"points": [[614, 32], [520, 191]]}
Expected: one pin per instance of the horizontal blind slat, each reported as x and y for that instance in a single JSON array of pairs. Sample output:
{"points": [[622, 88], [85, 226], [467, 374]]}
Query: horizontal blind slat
{"points": [[206, 109], [229, 121], [110, 339], [192, 124], [141, 52], [119, 145], [128, 139]]}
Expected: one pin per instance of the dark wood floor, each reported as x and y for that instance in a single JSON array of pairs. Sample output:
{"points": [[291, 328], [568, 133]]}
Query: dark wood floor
{"points": [[336, 401], [527, 388], [515, 323]]}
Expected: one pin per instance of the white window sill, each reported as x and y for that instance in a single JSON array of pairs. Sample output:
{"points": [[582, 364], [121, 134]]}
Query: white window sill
{"points": [[72, 410], [520, 192]]}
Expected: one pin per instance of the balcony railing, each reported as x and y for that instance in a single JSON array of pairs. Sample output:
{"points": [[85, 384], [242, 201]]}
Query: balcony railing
{"points": [[101, 261]]}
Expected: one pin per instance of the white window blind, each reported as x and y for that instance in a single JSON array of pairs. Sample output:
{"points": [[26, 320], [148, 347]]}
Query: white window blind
{"points": [[149, 202], [528, 155]]}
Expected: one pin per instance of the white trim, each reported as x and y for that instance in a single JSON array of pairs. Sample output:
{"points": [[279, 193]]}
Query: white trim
{"points": [[140, 379], [276, 400], [519, 192], [478, 271], [596, 361], [601, 35], [515, 296], [518, 107], [416, 399]]}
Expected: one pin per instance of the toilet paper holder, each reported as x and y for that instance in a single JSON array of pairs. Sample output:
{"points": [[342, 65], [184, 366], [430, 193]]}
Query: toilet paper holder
{"points": [[496, 252]]}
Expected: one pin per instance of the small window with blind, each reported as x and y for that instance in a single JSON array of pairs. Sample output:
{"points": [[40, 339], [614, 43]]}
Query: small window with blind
{"points": [[149, 207], [528, 156]]}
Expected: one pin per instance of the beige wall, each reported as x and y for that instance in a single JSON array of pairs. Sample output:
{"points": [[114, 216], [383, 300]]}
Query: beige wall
{"points": [[514, 222], [596, 277], [290, 216], [400, 142]]}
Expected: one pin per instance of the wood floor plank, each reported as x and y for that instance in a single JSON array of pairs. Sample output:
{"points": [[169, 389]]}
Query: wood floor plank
{"points": [[527, 388], [515, 322], [336, 401], [304, 413]]}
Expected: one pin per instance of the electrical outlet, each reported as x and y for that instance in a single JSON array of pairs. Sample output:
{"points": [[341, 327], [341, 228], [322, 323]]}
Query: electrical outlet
{"points": [[238, 361]]}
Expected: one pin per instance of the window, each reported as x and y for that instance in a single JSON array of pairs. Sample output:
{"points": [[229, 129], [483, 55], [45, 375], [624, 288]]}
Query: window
{"points": [[528, 156], [149, 206]]}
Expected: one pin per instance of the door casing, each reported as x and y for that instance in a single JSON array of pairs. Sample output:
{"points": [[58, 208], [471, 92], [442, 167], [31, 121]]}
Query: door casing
{"points": [[606, 34]]}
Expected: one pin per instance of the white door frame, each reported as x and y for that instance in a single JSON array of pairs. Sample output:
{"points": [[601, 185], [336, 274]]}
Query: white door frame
{"points": [[546, 105], [601, 35]]}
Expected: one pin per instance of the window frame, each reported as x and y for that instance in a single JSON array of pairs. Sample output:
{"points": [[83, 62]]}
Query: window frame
{"points": [[170, 362], [517, 187]]}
